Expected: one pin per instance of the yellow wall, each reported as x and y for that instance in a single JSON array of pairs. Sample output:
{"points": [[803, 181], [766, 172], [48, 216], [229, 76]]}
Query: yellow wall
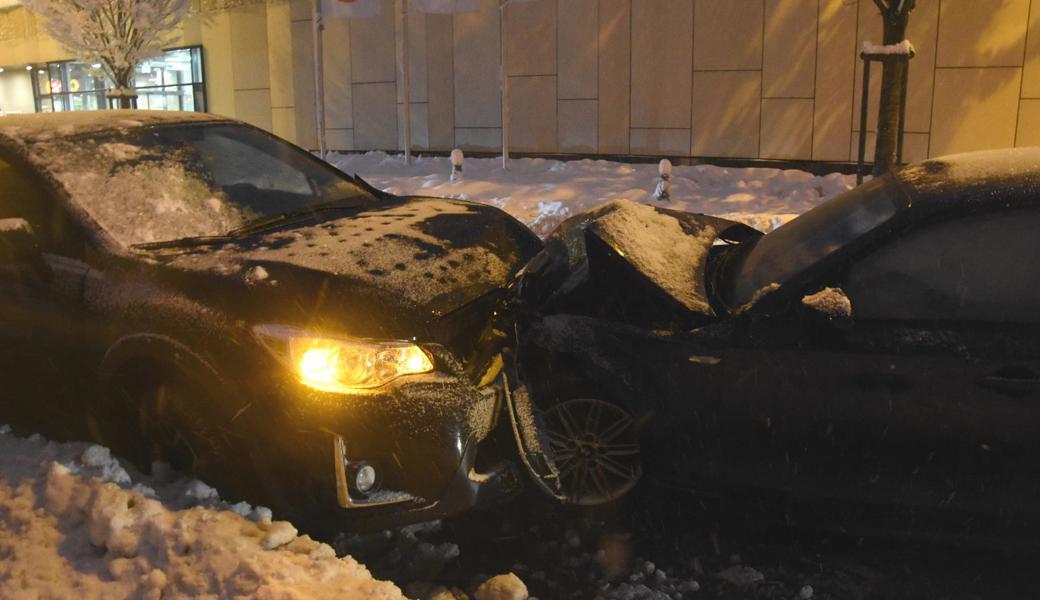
{"points": [[739, 78]]}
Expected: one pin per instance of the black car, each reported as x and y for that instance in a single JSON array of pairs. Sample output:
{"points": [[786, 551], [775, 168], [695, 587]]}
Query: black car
{"points": [[881, 351], [189, 288]]}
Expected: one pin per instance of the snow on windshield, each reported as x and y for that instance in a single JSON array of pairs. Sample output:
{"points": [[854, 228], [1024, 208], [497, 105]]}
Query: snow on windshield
{"points": [[139, 195]]}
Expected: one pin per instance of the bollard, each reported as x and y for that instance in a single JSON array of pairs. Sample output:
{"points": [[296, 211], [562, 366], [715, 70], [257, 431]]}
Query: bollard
{"points": [[456, 164], [664, 184]]}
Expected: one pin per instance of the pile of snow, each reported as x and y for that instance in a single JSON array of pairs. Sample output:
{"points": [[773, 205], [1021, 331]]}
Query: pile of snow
{"points": [[74, 524], [542, 192]]}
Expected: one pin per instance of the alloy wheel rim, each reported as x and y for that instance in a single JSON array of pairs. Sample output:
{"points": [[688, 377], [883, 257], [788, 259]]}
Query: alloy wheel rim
{"points": [[596, 450]]}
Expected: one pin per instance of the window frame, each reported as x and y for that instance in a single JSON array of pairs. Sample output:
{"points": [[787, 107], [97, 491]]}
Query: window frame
{"points": [[919, 228]]}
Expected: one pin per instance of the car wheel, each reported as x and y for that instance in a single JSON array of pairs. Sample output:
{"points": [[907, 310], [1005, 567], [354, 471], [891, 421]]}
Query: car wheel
{"points": [[595, 446], [159, 418], [174, 431]]}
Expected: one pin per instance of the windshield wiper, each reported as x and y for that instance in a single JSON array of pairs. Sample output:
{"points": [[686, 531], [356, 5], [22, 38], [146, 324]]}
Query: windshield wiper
{"points": [[263, 223], [184, 242]]}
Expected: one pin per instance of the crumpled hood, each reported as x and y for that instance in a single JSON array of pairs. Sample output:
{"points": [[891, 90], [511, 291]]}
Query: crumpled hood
{"points": [[433, 255], [648, 260]]}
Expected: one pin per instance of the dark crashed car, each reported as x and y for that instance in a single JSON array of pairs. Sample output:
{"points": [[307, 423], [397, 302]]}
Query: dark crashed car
{"points": [[878, 356], [190, 289]]}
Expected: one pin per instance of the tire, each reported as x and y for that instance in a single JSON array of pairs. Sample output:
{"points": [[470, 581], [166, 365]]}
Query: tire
{"points": [[159, 417]]}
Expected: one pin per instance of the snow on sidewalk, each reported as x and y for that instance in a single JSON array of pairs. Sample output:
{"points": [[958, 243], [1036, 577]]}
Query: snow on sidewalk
{"points": [[542, 192], [73, 524]]}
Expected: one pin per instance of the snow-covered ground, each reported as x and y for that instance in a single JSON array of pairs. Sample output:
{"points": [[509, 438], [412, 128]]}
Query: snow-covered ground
{"points": [[542, 192], [76, 524]]}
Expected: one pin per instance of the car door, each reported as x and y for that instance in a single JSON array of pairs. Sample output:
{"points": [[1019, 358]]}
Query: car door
{"points": [[40, 304], [954, 310], [923, 400]]}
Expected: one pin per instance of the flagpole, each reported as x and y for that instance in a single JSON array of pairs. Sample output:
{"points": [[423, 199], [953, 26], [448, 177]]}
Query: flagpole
{"points": [[319, 79], [504, 75], [407, 76]]}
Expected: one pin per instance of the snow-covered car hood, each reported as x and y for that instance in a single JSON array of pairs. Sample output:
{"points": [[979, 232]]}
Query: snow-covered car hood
{"points": [[651, 260], [427, 255]]}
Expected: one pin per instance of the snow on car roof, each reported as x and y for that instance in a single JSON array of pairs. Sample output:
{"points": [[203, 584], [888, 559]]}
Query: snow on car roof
{"points": [[28, 129], [997, 168]]}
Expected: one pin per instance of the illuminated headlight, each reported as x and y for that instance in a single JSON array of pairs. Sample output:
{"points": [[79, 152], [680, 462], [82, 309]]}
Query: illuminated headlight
{"points": [[337, 364]]}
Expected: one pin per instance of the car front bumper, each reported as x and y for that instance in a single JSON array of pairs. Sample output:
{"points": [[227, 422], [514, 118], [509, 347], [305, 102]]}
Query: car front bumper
{"points": [[439, 443], [468, 456]]}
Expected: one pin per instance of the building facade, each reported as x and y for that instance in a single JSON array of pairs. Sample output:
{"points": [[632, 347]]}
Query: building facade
{"points": [[771, 79]]}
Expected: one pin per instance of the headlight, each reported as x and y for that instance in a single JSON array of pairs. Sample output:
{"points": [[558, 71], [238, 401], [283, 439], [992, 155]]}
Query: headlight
{"points": [[333, 364]]}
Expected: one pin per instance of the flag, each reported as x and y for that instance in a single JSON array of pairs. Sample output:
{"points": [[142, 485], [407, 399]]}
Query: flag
{"points": [[350, 9], [446, 7]]}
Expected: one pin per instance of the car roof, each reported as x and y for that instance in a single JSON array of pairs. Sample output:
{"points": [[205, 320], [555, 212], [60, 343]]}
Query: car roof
{"points": [[28, 129], [1008, 177]]}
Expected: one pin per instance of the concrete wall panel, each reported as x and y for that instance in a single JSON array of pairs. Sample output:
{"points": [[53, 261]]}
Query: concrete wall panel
{"points": [[1031, 77], [440, 82], [532, 114], [254, 107], [375, 116], [303, 83], [339, 112], [726, 115], [982, 34], [975, 109], [476, 53], [615, 19], [531, 38], [832, 117], [1028, 124], [727, 35], [915, 147], [420, 126], [373, 50], [577, 125], [786, 128], [660, 142], [487, 139], [249, 47], [789, 58], [280, 62], [662, 61], [283, 123], [417, 59], [220, 75], [577, 40]]}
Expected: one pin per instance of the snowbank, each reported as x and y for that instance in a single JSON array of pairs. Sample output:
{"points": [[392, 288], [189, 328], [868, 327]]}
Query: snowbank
{"points": [[542, 193], [73, 524]]}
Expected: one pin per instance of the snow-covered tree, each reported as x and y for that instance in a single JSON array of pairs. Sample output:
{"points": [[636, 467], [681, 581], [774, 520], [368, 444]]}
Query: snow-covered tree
{"points": [[118, 34], [896, 16]]}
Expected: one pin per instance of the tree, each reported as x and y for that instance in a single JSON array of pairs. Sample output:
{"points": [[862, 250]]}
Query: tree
{"points": [[118, 34], [896, 16]]}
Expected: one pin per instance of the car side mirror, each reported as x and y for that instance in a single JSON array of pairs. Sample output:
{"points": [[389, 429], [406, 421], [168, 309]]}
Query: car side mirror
{"points": [[830, 305], [20, 250]]}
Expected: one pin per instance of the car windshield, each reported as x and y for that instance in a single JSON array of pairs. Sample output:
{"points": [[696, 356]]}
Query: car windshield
{"points": [[795, 246], [165, 183]]}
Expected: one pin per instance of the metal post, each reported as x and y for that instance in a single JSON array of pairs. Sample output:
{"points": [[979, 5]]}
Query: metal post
{"points": [[863, 120], [319, 80], [407, 76], [503, 74], [902, 107]]}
